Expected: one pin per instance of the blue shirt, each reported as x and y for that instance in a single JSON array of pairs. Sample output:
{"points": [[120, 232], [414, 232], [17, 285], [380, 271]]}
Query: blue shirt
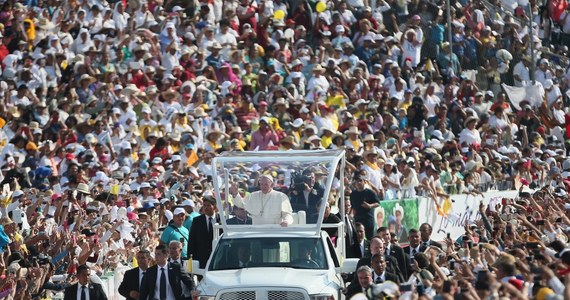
{"points": [[173, 233]]}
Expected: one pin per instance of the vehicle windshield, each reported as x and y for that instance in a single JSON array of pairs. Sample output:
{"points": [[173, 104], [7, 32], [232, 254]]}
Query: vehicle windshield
{"points": [[298, 253], [271, 189]]}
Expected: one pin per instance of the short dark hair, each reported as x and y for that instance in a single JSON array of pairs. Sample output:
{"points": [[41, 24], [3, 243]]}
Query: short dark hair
{"points": [[210, 200], [82, 268], [413, 230], [381, 229], [162, 248], [429, 226]]}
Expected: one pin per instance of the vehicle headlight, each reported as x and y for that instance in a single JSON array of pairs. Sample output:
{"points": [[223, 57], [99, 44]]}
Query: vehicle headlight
{"points": [[321, 297], [206, 297]]}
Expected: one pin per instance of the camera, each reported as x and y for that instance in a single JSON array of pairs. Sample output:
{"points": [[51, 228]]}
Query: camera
{"points": [[299, 181]]}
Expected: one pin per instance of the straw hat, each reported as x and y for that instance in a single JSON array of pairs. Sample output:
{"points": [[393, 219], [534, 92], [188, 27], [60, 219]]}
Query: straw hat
{"points": [[353, 130], [369, 138], [215, 46], [288, 139], [468, 120], [83, 188], [88, 78], [199, 112], [318, 68]]}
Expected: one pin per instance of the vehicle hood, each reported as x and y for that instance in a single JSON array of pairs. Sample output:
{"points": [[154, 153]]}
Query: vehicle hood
{"points": [[267, 277]]}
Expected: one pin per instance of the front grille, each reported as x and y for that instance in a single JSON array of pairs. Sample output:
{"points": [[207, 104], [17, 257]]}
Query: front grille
{"points": [[263, 294], [249, 295], [285, 295]]}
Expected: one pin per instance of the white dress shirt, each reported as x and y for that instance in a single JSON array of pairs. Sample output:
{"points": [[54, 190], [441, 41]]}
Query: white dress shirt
{"points": [[79, 288], [169, 293], [412, 250]]}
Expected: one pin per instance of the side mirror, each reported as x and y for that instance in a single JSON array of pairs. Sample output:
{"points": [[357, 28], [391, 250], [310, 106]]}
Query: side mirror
{"points": [[196, 268], [349, 265]]}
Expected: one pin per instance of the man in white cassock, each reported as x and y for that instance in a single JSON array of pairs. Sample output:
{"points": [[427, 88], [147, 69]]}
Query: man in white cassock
{"points": [[268, 206]]}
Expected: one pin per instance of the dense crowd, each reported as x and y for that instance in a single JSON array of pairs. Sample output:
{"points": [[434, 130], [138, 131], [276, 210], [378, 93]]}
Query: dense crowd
{"points": [[113, 112]]}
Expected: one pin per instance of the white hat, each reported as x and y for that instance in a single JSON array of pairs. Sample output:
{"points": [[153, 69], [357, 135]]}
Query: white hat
{"points": [[144, 185], [339, 28], [168, 214], [177, 9], [188, 203], [297, 123], [179, 210]]}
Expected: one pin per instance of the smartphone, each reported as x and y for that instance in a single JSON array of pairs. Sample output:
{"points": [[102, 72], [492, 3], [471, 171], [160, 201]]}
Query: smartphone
{"points": [[449, 235], [452, 265], [405, 288], [509, 229], [539, 222], [558, 220], [529, 259], [532, 245]]}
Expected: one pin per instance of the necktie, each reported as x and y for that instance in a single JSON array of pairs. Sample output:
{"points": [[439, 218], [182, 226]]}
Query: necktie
{"points": [[426, 244], [162, 284], [210, 228], [141, 279], [378, 280], [414, 251], [83, 294]]}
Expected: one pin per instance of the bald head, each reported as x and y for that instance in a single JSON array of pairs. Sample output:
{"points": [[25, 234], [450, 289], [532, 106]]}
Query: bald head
{"points": [[376, 246]]}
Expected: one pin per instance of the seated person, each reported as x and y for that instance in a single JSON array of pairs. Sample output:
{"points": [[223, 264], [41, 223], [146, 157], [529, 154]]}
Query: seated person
{"points": [[243, 256], [305, 258], [240, 214]]}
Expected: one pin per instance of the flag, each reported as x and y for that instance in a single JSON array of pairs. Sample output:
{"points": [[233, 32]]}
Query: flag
{"points": [[447, 205], [190, 265], [135, 262], [115, 189], [192, 159]]}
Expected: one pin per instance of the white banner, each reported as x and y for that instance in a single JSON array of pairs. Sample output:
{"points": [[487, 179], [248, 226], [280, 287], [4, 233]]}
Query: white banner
{"points": [[465, 207], [532, 93]]}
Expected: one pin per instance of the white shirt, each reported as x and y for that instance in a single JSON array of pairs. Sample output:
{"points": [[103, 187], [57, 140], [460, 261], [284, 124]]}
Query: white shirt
{"points": [[523, 72], [412, 250], [169, 293], [79, 288]]}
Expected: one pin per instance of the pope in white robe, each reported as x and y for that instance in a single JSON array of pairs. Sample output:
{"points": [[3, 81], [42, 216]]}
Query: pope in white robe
{"points": [[268, 206]]}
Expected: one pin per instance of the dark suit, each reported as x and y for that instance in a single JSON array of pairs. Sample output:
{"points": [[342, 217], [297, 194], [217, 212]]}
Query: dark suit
{"points": [[355, 252], [175, 276], [95, 292], [353, 288], [200, 246], [391, 266], [299, 202], [236, 221], [130, 283], [402, 258], [387, 277], [349, 235]]}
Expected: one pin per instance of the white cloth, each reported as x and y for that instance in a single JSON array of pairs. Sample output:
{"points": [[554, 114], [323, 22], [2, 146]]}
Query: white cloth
{"points": [[530, 93], [270, 208]]}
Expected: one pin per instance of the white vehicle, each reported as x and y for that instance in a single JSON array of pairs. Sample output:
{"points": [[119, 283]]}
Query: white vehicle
{"points": [[267, 261]]}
